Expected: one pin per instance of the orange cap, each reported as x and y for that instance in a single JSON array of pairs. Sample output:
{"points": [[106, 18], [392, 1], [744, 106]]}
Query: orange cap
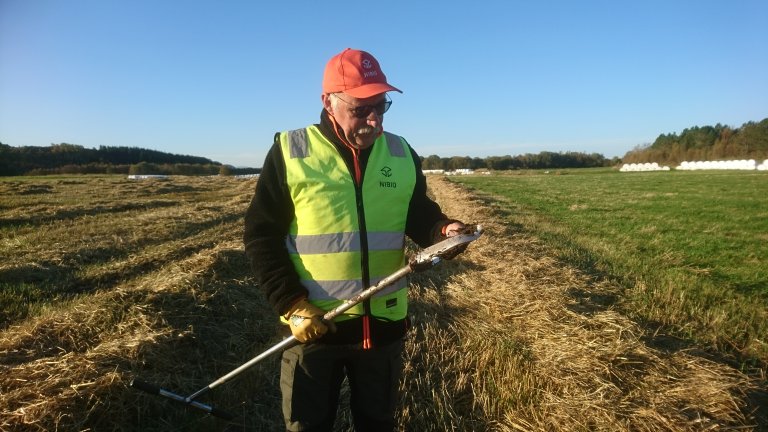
{"points": [[356, 73]]}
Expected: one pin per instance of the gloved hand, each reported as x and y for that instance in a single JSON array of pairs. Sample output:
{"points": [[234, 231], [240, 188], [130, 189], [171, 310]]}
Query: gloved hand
{"points": [[306, 321]]}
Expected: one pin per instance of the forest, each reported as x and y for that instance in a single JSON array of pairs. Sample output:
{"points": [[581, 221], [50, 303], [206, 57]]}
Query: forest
{"points": [[542, 160], [67, 158], [705, 143], [697, 143], [75, 159], [719, 142]]}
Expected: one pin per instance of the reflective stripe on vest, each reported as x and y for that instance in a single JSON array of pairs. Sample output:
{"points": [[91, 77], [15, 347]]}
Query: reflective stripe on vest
{"points": [[325, 242], [342, 242]]}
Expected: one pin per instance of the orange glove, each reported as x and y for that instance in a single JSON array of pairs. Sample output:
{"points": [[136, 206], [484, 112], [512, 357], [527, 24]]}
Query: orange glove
{"points": [[306, 321]]}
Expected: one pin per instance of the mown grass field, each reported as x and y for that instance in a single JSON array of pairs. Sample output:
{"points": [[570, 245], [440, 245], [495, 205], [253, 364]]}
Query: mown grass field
{"points": [[691, 248], [103, 279]]}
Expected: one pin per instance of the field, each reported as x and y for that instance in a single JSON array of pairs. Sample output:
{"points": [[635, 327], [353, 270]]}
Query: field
{"points": [[691, 248], [103, 279]]}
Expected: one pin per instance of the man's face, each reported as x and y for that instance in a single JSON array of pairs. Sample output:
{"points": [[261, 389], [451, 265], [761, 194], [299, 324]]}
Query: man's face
{"points": [[361, 132]]}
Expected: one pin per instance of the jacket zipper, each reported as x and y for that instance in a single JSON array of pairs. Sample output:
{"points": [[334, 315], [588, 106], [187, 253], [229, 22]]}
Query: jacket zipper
{"points": [[367, 342]]}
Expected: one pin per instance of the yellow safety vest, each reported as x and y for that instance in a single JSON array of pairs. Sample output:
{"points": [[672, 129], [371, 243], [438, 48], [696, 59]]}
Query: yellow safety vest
{"points": [[345, 238]]}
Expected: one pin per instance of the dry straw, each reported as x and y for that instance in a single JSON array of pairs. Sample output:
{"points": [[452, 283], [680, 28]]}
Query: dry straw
{"points": [[523, 342], [504, 338]]}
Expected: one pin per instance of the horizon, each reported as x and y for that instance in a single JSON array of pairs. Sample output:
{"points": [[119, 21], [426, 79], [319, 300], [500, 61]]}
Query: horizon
{"points": [[422, 156], [495, 79], [259, 167]]}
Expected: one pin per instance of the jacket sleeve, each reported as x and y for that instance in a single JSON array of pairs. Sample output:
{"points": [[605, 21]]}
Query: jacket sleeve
{"points": [[267, 221], [425, 218]]}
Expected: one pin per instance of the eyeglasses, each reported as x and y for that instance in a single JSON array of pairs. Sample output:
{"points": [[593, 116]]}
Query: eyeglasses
{"points": [[363, 111]]}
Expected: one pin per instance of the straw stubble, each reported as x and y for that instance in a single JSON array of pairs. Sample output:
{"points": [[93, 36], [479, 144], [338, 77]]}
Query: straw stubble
{"points": [[509, 339], [504, 337]]}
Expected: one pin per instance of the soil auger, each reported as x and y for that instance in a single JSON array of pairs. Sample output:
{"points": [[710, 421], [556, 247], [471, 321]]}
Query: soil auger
{"points": [[423, 260]]}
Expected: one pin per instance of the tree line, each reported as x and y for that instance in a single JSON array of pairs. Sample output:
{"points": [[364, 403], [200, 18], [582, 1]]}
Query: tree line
{"points": [[719, 142], [542, 160], [67, 158]]}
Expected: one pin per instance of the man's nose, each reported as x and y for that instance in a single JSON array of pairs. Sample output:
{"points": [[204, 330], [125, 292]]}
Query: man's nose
{"points": [[374, 118]]}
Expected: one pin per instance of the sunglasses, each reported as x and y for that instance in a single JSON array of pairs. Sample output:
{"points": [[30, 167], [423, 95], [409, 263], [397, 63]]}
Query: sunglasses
{"points": [[363, 111]]}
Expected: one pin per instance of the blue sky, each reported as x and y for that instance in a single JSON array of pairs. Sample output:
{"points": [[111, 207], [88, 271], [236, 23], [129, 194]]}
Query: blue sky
{"points": [[219, 78]]}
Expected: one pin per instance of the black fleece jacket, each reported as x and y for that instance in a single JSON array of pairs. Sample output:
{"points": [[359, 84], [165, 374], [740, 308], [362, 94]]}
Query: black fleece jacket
{"points": [[271, 211]]}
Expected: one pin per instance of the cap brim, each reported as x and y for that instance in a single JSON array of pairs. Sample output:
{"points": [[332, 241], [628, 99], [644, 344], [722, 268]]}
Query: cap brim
{"points": [[370, 90]]}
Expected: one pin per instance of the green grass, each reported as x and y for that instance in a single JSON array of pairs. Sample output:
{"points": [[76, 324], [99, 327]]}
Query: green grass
{"points": [[691, 247]]}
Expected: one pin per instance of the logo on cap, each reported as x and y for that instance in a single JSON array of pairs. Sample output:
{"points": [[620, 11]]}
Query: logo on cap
{"points": [[367, 63]]}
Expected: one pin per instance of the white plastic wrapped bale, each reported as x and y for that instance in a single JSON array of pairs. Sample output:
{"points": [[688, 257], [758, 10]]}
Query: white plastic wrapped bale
{"points": [[643, 167], [741, 164]]}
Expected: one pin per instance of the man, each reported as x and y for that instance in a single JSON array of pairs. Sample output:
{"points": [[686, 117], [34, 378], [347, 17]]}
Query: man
{"points": [[332, 207]]}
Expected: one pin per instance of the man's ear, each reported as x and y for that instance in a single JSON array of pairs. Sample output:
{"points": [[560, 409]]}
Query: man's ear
{"points": [[326, 98]]}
